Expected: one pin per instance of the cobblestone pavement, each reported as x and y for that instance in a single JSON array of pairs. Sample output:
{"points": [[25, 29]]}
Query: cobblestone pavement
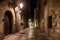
{"points": [[28, 34]]}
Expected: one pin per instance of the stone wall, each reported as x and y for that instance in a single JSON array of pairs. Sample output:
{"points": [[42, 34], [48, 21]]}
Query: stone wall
{"points": [[52, 8], [3, 8]]}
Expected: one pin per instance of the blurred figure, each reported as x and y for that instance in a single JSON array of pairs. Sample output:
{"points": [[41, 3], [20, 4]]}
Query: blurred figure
{"points": [[31, 26]]}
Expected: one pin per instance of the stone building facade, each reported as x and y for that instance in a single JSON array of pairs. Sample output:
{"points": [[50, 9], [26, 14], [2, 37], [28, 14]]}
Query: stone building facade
{"points": [[10, 16], [47, 15], [50, 17], [9, 19]]}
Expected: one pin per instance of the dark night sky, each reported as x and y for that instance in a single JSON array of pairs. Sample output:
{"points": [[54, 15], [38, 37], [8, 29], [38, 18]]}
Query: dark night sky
{"points": [[33, 4]]}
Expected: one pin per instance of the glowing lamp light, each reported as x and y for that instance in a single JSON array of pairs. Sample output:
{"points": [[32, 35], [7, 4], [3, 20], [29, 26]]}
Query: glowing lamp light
{"points": [[21, 5]]}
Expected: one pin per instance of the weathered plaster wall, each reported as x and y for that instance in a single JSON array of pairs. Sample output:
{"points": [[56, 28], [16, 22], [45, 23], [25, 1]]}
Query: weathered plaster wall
{"points": [[52, 9], [3, 8]]}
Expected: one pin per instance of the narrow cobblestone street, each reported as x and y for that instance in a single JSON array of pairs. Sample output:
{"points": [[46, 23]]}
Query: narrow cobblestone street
{"points": [[24, 35]]}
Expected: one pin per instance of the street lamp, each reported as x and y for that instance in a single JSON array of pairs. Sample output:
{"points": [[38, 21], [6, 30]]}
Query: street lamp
{"points": [[21, 5], [21, 9]]}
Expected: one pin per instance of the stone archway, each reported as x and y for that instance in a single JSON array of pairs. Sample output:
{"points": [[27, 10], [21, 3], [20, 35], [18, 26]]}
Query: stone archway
{"points": [[7, 23]]}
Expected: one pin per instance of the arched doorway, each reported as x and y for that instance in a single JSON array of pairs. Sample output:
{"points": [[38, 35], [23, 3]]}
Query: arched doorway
{"points": [[7, 23]]}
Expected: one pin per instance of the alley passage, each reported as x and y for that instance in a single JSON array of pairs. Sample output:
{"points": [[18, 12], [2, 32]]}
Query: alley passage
{"points": [[28, 34]]}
